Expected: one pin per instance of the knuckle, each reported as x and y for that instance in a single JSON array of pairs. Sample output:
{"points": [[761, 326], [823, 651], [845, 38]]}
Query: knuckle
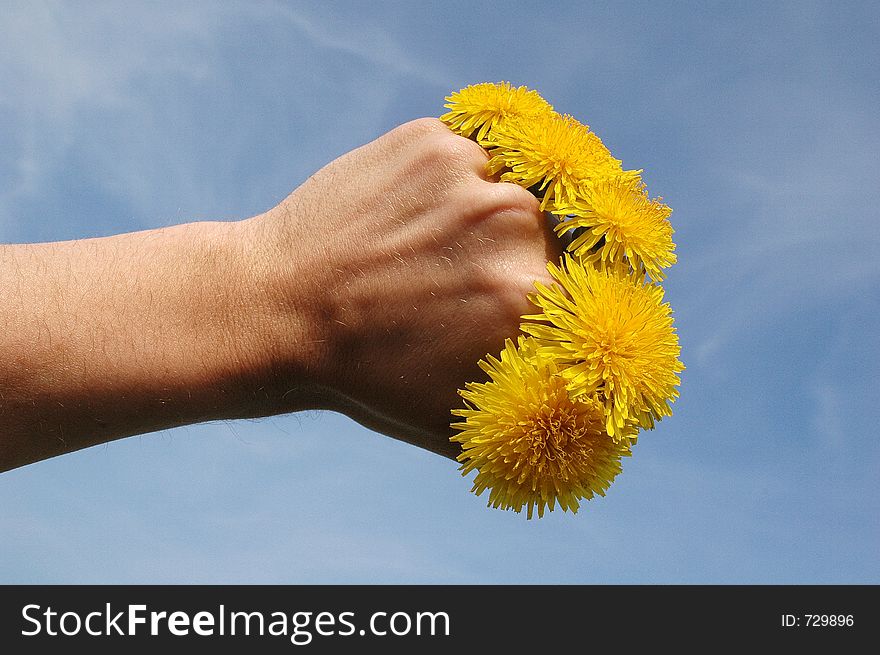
{"points": [[507, 282], [508, 197], [511, 294], [505, 207], [445, 158], [449, 149], [419, 129]]}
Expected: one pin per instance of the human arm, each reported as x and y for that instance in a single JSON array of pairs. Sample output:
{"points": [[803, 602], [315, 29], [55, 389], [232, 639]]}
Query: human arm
{"points": [[372, 290]]}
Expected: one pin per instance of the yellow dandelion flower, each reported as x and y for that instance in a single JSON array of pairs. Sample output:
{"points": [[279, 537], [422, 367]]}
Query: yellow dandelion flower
{"points": [[620, 221], [553, 154], [530, 442], [480, 107], [612, 337]]}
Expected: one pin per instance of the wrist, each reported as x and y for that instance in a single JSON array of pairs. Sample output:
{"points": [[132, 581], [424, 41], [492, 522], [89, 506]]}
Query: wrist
{"points": [[273, 314]]}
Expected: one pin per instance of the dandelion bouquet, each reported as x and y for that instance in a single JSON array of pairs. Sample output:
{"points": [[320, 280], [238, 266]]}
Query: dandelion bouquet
{"points": [[598, 360]]}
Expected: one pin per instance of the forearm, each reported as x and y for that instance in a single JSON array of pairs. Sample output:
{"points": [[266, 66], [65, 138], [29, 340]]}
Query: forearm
{"points": [[105, 338]]}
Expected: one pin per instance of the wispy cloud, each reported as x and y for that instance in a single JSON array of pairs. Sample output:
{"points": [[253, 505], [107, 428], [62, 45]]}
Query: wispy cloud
{"points": [[364, 38], [62, 65], [790, 222], [150, 109]]}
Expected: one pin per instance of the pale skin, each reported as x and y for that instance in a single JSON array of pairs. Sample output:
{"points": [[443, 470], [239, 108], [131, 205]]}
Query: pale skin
{"points": [[371, 290]]}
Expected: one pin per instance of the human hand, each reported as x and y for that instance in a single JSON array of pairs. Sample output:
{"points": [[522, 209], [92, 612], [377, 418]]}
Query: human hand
{"points": [[387, 275]]}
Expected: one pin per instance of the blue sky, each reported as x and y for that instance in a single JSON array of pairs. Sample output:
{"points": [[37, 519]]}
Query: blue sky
{"points": [[757, 122]]}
